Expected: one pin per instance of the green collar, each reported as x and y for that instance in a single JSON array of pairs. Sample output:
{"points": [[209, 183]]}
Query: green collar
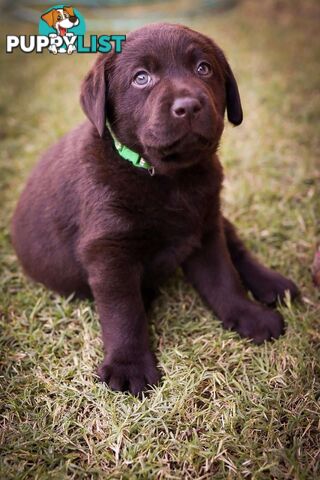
{"points": [[133, 157]]}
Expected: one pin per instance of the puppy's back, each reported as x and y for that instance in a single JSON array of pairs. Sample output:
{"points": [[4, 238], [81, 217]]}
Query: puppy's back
{"points": [[45, 223]]}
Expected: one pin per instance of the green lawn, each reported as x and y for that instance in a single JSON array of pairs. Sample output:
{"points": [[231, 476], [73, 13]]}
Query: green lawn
{"points": [[225, 408]]}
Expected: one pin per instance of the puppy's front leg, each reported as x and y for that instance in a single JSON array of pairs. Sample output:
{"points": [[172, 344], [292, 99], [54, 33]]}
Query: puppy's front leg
{"points": [[128, 364], [211, 271]]}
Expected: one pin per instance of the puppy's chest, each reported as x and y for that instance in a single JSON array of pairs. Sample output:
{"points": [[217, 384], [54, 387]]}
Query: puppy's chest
{"points": [[176, 225], [184, 212]]}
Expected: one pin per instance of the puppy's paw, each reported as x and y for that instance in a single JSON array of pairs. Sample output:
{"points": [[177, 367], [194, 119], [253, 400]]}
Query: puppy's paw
{"points": [[273, 287], [71, 49], [53, 49], [130, 374], [255, 322]]}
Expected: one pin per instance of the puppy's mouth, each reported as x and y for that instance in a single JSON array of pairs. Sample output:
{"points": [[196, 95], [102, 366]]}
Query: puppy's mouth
{"points": [[62, 31], [184, 146]]}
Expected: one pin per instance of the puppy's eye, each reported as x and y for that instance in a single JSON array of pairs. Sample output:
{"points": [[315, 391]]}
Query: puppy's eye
{"points": [[66, 15], [204, 69], [141, 79], [59, 17]]}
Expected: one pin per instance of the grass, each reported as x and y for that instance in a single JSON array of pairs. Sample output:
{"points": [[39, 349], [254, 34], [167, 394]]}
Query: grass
{"points": [[226, 408]]}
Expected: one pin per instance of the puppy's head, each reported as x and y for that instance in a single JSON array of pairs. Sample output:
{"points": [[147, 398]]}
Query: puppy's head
{"points": [[165, 95], [61, 17]]}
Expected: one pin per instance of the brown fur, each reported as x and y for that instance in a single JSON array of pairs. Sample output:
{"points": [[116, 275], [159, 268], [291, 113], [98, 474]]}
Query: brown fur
{"points": [[90, 222]]}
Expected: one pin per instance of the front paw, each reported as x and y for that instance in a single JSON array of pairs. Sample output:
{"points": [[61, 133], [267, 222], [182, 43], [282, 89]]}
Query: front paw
{"points": [[255, 322], [71, 49], [273, 287], [133, 373], [53, 49]]}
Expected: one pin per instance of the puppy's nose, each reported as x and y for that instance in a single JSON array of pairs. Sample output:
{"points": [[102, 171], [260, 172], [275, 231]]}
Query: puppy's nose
{"points": [[185, 107], [73, 19]]}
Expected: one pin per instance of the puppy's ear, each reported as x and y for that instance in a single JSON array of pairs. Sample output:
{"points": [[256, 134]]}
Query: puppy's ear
{"points": [[93, 94], [234, 108], [48, 18], [233, 102], [69, 10]]}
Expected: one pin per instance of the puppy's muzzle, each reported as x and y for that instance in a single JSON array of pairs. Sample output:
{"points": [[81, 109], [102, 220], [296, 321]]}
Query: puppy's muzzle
{"points": [[73, 19], [186, 108]]}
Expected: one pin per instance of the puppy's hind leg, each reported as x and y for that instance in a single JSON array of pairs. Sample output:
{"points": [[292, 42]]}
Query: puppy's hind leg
{"points": [[266, 285], [210, 270]]}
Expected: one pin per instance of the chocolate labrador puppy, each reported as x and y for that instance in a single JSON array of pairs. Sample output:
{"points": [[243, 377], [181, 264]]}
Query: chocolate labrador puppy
{"points": [[124, 199]]}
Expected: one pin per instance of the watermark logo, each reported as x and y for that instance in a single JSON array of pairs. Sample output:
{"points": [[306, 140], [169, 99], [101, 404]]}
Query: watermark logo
{"points": [[62, 24], [62, 29]]}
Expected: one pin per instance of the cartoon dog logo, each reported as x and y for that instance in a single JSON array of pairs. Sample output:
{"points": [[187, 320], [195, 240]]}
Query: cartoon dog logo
{"points": [[61, 19]]}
